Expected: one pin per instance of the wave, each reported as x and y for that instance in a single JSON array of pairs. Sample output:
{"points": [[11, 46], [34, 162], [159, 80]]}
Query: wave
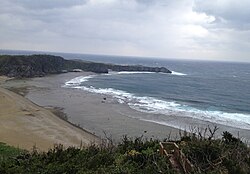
{"points": [[178, 73], [237, 120], [129, 72], [165, 108], [78, 80], [144, 72]]}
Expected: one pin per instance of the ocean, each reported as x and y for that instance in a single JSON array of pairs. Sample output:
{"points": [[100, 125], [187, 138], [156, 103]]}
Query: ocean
{"points": [[201, 91]]}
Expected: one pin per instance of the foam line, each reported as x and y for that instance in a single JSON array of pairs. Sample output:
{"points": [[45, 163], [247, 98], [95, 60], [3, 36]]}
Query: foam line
{"points": [[78, 80], [178, 73]]}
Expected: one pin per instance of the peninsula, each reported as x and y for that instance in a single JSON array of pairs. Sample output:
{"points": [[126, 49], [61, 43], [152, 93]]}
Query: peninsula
{"points": [[41, 65]]}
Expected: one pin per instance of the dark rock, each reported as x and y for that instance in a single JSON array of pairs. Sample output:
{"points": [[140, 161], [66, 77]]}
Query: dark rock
{"points": [[138, 68], [40, 65], [30, 66]]}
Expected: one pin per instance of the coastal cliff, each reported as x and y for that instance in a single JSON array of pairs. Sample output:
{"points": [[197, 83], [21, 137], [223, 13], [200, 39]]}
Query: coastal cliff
{"points": [[40, 65], [30, 66]]}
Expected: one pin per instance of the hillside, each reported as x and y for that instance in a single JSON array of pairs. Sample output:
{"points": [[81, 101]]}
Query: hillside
{"points": [[40, 65]]}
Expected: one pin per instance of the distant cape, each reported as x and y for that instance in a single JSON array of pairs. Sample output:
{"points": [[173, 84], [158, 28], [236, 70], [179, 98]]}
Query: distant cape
{"points": [[40, 65]]}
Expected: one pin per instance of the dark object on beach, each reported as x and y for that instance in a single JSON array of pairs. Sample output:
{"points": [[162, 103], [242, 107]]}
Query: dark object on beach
{"points": [[104, 98]]}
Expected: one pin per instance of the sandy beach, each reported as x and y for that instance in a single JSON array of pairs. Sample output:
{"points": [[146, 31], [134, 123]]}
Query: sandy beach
{"points": [[25, 125], [90, 111]]}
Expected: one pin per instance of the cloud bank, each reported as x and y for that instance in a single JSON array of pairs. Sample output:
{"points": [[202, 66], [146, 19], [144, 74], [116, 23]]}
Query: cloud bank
{"points": [[196, 29]]}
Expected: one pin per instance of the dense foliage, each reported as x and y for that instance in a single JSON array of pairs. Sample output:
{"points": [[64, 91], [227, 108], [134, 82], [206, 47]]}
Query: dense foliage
{"points": [[131, 156], [208, 155], [8, 152], [225, 155]]}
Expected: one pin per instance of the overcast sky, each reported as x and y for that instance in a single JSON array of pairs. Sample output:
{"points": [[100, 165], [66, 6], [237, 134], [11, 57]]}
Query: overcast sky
{"points": [[196, 29]]}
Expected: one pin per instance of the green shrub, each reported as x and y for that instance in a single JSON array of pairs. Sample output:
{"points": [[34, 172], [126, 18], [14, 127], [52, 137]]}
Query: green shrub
{"points": [[8, 151], [131, 156]]}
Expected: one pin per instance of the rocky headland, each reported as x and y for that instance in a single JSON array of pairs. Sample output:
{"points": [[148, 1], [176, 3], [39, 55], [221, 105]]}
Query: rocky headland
{"points": [[41, 65]]}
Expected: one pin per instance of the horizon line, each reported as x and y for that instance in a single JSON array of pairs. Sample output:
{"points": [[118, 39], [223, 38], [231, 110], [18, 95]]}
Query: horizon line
{"points": [[129, 56]]}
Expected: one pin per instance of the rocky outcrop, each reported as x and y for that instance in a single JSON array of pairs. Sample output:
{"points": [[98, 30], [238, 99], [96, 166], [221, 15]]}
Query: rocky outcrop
{"points": [[138, 68], [40, 65], [30, 66], [86, 66]]}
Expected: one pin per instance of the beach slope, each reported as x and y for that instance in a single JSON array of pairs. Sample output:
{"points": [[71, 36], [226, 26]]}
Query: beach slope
{"points": [[24, 124]]}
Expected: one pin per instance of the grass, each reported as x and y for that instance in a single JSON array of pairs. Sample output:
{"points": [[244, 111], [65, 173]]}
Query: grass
{"points": [[8, 151]]}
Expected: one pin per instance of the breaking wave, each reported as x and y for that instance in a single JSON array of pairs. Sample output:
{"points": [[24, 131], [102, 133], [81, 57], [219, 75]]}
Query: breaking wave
{"points": [[170, 108], [78, 80], [178, 73]]}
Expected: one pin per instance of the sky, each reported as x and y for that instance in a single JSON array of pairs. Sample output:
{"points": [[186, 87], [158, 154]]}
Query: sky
{"points": [[186, 29]]}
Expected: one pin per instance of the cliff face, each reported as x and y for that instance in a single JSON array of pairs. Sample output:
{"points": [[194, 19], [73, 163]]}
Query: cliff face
{"points": [[86, 66], [40, 65], [30, 66]]}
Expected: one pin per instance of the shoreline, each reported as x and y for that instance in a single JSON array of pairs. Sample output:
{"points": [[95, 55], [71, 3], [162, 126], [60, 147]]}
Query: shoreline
{"points": [[181, 124], [104, 117], [26, 125], [89, 110]]}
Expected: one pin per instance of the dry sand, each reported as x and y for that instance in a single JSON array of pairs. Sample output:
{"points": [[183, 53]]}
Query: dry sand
{"points": [[24, 124]]}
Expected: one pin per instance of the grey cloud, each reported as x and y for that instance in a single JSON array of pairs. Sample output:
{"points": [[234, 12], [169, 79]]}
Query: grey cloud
{"points": [[164, 28], [162, 3], [146, 1], [48, 4], [228, 13]]}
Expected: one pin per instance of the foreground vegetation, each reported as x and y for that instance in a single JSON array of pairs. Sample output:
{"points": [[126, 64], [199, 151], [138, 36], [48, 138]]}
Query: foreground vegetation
{"points": [[208, 155], [8, 152]]}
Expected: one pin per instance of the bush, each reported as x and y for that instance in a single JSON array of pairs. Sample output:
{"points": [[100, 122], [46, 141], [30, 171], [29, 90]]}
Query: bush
{"points": [[226, 155], [208, 155], [130, 156]]}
